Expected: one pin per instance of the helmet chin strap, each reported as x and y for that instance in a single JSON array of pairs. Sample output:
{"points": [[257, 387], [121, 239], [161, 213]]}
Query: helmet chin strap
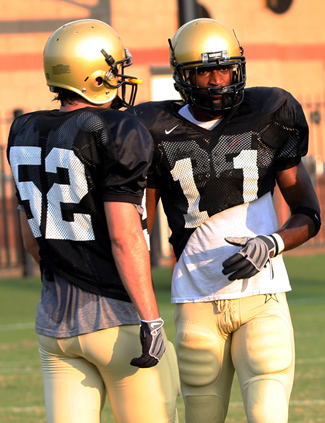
{"points": [[117, 103], [227, 104], [204, 113]]}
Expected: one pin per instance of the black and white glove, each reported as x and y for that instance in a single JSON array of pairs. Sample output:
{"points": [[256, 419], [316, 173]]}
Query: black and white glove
{"points": [[251, 258], [153, 345]]}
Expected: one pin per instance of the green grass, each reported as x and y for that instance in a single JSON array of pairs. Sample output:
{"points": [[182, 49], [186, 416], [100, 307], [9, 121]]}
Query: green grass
{"points": [[21, 389]]}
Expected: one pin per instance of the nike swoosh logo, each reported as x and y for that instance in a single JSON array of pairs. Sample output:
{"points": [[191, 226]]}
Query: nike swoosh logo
{"points": [[170, 130]]}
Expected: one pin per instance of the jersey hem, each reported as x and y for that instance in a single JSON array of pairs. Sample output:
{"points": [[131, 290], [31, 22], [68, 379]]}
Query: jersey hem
{"points": [[232, 296], [70, 334]]}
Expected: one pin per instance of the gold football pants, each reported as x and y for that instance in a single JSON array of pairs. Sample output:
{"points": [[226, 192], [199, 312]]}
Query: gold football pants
{"points": [[252, 336], [79, 371]]}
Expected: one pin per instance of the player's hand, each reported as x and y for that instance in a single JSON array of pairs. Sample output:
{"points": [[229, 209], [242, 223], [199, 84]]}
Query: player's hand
{"points": [[250, 259], [153, 345]]}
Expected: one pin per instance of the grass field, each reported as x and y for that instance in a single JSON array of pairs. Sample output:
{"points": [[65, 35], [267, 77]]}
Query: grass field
{"points": [[21, 390]]}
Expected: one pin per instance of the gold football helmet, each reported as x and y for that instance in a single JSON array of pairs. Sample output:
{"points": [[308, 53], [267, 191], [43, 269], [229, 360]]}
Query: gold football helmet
{"points": [[204, 43], [87, 57]]}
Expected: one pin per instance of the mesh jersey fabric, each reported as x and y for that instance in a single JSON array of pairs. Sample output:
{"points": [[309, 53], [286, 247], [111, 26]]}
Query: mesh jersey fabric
{"points": [[201, 172], [65, 310], [79, 160]]}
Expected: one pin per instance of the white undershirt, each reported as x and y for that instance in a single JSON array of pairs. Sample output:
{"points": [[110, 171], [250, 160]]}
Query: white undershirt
{"points": [[209, 125], [198, 276]]}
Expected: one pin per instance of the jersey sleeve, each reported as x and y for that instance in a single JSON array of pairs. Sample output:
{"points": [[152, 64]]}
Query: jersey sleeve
{"points": [[288, 133], [129, 149], [297, 143]]}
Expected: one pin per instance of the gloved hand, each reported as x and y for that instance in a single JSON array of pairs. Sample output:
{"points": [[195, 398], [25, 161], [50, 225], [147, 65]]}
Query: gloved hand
{"points": [[153, 345], [250, 259]]}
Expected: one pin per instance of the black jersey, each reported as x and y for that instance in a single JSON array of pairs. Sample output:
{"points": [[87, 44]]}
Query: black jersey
{"points": [[65, 166], [201, 172]]}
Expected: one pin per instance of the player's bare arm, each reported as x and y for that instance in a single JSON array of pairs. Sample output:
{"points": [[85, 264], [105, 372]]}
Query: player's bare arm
{"points": [[132, 256], [132, 259], [297, 189], [152, 198], [29, 241]]}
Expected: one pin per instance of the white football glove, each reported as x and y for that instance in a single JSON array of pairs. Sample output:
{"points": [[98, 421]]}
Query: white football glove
{"points": [[250, 259]]}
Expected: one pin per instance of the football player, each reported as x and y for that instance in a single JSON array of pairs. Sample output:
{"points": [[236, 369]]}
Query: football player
{"points": [[219, 153], [80, 173]]}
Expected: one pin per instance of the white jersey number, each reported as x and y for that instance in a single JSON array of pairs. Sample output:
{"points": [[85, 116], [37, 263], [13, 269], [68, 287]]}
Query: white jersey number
{"points": [[183, 172], [56, 228]]}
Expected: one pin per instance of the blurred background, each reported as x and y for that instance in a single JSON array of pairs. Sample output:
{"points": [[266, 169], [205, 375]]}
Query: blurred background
{"points": [[284, 45]]}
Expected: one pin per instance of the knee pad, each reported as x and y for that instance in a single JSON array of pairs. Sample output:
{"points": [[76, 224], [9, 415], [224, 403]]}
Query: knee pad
{"points": [[272, 346], [199, 355]]}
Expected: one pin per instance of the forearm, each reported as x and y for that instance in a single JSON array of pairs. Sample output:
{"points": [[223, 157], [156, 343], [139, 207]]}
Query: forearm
{"points": [[33, 250], [133, 264], [153, 196], [297, 230], [298, 192], [29, 241], [131, 256]]}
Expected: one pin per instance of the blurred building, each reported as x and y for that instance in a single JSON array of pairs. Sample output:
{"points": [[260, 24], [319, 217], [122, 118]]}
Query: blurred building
{"points": [[283, 40]]}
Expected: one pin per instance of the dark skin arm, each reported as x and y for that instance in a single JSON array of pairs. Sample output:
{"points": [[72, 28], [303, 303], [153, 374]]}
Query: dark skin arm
{"points": [[152, 198], [297, 190], [29, 241]]}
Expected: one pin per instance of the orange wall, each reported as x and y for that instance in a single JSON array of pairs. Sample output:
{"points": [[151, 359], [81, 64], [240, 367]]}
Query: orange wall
{"points": [[284, 50]]}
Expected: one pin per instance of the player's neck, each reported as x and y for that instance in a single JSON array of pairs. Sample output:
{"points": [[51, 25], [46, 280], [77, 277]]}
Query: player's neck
{"points": [[70, 107], [201, 115], [186, 113]]}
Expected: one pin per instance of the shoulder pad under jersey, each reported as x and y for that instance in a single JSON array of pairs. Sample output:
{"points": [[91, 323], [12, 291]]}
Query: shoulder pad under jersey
{"points": [[151, 111], [266, 102], [273, 112]]}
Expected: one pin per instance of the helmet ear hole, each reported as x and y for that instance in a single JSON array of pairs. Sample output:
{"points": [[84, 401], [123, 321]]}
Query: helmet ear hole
{"points": [[99, 81]]}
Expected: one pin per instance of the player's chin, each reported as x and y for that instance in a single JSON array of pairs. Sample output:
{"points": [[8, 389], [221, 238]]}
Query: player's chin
{"points": [[208, 101]]}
